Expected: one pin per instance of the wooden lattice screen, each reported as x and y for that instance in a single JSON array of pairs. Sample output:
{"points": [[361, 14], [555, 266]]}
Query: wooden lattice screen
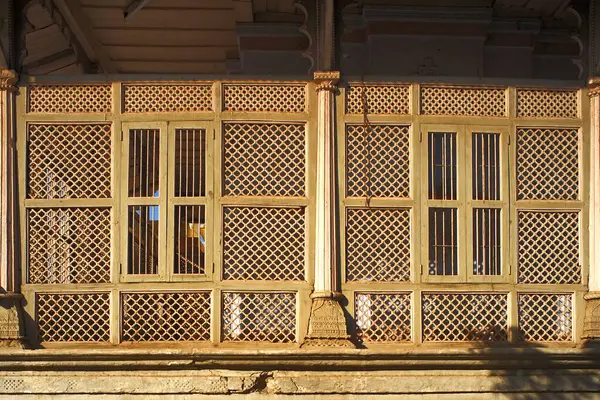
{"points": [[183, 212], [464, 213], [181, 216]]}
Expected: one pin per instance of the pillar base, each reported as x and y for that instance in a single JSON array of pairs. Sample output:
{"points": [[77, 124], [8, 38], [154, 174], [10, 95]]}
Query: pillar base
{"points": [[591, 324], [11, 326], [327, 323]]}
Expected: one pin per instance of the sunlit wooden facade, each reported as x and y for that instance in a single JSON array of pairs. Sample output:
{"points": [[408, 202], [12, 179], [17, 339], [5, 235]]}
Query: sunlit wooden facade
{"points": [[273, 197]]}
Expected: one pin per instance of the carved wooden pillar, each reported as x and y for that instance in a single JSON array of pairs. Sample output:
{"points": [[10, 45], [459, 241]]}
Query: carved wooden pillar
{"points": [[327, 324], [591, 329], [10, 298]]}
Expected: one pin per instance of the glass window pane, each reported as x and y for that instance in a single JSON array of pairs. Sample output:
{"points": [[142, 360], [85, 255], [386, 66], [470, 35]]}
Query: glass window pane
{"points": [[443, 241], [442, 165], [190, 240], [142, 249], [189, 162], [144, 162], [486, 241], [485, 153]]}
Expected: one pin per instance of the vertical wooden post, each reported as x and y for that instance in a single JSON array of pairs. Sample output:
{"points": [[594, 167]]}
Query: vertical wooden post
{"points": [[591, 329], [327, 323], [10, 298]]}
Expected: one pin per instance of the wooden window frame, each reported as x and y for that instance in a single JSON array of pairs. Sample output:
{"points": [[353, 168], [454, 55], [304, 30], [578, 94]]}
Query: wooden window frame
{"points": [[160, 202], [465, 204], [207, 200], [213, 121], [165, 281], [507, 283]]}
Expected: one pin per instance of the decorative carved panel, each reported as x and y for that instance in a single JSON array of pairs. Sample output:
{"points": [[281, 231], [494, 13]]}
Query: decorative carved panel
{"points": [[381, 99], [155, 98], [280, 98], [476, 102], [53, 99], [542, 103]]}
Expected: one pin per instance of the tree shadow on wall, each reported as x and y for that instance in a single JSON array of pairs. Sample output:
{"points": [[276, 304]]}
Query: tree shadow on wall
{"points": [[527, 371]]}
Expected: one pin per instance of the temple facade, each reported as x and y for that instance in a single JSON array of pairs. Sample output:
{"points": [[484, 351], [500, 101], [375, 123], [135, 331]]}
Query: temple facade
{"points": [[272, 198]]}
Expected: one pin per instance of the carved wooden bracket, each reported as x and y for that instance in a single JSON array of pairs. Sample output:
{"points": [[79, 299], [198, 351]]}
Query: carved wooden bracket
{"points": [[8, 79], [327, 80]]}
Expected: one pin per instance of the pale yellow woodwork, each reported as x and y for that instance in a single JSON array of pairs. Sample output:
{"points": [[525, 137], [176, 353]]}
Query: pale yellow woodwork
{"points": [[317, 200]]}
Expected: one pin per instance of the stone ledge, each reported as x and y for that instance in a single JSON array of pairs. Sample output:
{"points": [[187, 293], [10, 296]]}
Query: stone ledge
{"points": [[220, 382], [338, 359]]}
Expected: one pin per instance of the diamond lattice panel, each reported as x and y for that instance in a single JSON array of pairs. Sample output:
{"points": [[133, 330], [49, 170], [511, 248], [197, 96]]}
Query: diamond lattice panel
{"points": [[386, 173], [83, 317], [262, 243], [264, 159], [259, 317], [383, 317], [264, 98], [167, 317], [548, 247], [547, 164], [167, 98], [69, 161], [532, 103], [69, 245], [381, 99], [378, 244], [464, 317], [545, 317], [52, 99], [463, 101]]}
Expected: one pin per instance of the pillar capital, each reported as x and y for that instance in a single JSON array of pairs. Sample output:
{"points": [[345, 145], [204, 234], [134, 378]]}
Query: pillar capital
{"points": [[8, 79], [327, 80]]}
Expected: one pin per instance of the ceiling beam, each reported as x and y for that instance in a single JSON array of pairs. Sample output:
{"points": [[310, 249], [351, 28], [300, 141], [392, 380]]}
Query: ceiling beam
{"points": [[134, 7], [82, 28]]}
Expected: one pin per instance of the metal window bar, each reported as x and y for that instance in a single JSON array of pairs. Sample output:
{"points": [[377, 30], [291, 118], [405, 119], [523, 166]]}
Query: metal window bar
{"points": [[486, 241], [442, 165], [143, 249], [144, 162], [443, 241], [190, 161], [190, 242], [486, 166]]}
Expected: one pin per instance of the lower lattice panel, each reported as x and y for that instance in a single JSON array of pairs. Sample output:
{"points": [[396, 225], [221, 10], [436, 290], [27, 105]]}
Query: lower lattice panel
{"points": [[165, 317], [464, 317], [80, 317], [383, 317], [259, 317], [545, 317]]}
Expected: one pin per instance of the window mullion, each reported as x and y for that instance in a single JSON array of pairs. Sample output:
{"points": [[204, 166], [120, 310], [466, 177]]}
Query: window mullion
{"points": [[466, 243], [163, 203], [465, 204]]}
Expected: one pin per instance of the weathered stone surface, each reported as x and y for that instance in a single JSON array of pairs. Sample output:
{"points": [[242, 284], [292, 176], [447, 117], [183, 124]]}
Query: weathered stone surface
{"points": [[327, 325], [10, 323], [221, 382], [339, 373]]}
